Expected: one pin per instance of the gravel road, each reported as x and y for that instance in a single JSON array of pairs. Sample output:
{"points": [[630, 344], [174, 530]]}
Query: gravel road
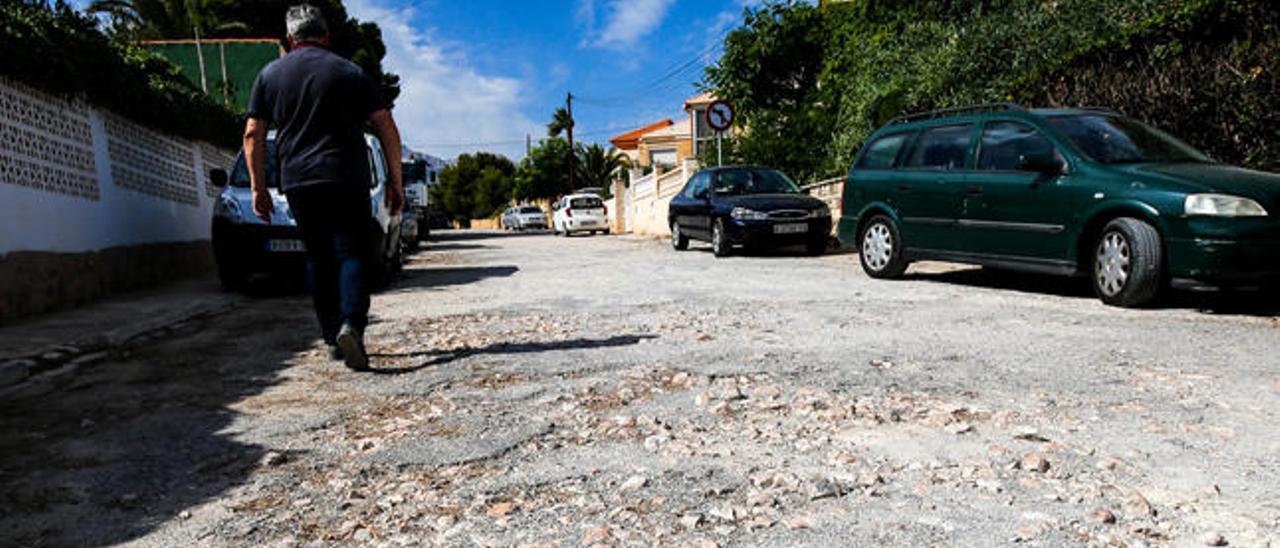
{"points": [[534, 390]]}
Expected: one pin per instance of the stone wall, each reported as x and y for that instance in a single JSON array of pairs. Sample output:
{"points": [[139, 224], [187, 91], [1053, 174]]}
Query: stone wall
{"points": [[92, 203]]}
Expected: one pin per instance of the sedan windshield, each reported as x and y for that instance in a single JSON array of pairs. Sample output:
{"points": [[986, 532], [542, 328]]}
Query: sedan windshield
{"points": [[754, 181], [1117, 140], [240, 173]]}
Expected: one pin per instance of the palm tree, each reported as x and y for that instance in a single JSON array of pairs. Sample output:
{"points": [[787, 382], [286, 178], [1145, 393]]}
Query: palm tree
{"points": [[597, 166], [560, 123], [163, 18]]}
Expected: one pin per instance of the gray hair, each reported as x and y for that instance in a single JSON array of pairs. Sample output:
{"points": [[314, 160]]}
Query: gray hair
{"points": [[305, 22]]}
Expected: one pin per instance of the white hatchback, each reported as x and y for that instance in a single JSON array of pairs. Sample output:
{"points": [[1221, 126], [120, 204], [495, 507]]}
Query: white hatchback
{"points": [[580, 213]]}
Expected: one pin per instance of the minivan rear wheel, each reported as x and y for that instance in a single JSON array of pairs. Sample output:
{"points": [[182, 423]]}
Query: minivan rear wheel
{"points": [[880, 248], [1128, 263]]}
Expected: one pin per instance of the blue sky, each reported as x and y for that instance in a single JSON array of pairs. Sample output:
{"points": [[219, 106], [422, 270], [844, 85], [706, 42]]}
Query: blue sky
{"points": [[484, 73], [487, 72]]}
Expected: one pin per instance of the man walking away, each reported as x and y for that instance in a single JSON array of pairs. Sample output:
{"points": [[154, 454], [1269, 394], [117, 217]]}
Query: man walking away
{"points": [[319, 102]]}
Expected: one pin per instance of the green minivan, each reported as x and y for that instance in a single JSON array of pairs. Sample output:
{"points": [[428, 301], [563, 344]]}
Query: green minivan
{"points": [[1080, 191]]}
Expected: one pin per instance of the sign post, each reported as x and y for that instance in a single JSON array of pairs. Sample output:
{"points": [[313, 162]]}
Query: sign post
{"points": [[720, 119]]}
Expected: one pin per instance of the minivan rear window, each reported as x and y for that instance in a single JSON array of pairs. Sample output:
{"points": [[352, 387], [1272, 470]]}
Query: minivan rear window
{"points": [[586, 203], [882, 152], [530, 209], [943, 147]]}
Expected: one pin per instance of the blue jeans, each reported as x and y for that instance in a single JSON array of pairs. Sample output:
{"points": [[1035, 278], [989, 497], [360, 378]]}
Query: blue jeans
{"points": [[334, 219]]}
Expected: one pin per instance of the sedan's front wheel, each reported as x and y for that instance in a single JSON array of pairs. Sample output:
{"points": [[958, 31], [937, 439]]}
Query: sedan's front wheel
{"points": [[1128, 263], [880, 249], [720, 245], [679, 241]]}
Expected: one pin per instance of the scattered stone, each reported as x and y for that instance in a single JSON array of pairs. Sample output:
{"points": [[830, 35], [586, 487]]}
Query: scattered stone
{"points": [[500, 509], [185, 515], [704, 337], [273, 458], [959, 427], [728, 391], [767, 391], [89, 359], [1029, 434], [690, 521], [632, 484], [1213, 538], [702, 399], [1102, 515], [682, 380], [799, 522], [15, 371], [869, 479], [991, 486], [1035, 462], [596, 536], [365, 445], [823, 488], [1136, 506]]}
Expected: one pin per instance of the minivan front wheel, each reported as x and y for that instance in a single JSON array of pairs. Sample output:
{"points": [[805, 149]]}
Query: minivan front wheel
{"points": [[1128, 263], [880, 248]]}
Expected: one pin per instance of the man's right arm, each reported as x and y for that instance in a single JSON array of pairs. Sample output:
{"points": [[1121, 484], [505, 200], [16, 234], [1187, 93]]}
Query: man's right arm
{"points": [[255, 155]]}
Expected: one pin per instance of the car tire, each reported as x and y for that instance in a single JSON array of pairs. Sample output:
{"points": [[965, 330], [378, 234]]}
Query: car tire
{"points": [[679, 241], [605, 232], [880, 249], [1128, 263], [720, 245], [231, 274]]}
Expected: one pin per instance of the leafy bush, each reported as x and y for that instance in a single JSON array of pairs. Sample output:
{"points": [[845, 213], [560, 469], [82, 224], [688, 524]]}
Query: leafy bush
{"points": [[1205, 70], [61, 51]]}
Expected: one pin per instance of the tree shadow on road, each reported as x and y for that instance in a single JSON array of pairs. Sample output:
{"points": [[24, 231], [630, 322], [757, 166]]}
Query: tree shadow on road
{"points": [[127, 445], [441, 357], [1244, 303]]}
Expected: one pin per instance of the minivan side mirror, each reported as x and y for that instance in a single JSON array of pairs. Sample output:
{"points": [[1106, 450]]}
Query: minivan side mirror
{"points": [[1040, 162], [218, 177]]}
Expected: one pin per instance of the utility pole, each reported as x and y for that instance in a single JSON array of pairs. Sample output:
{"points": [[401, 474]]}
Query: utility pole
{"points": [[568, 101], [528, 145]]}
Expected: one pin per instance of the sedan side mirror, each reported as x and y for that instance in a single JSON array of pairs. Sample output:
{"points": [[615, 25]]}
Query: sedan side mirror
{"points": [[218, 177], [1040, 162]]}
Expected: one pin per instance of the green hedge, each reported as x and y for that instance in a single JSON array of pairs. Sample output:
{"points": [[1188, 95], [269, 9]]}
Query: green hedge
{"points": [[58, 50], [812, 82]]}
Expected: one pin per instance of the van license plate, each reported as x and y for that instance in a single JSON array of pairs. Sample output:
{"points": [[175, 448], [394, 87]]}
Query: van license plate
{"points": [[285, 246], [794, 228]]}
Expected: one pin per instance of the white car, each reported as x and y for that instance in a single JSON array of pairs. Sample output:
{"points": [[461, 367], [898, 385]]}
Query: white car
{"points": [[524, 217], [580, 213]]}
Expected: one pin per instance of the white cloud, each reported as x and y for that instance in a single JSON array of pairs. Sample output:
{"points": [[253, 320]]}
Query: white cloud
{"points": [[629, 21], [443, 100]]}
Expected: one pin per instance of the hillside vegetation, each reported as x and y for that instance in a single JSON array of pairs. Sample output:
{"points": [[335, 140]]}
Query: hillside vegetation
{"points": [[812, 82]]}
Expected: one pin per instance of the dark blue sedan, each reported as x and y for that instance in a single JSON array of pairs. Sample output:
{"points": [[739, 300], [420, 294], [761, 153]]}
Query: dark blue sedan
{"points": [[750, 207]]}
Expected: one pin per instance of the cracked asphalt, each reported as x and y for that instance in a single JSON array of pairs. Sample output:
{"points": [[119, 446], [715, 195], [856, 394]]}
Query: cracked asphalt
{"points": [[535, 390]]}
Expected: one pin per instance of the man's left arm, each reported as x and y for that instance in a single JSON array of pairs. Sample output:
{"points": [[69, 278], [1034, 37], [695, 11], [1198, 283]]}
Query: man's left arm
{"points": [[385, 128]]}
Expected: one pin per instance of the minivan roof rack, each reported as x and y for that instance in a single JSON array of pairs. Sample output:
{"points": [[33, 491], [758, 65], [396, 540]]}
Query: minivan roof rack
{"points": [[985, 107]]}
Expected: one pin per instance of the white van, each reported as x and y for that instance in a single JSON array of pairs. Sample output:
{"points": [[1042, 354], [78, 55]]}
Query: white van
{"points": [[580, 213]]}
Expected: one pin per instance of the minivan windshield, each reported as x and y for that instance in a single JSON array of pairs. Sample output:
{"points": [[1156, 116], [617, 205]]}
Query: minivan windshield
{"points": [[1110, 139], [240, 173], [754, 181]]}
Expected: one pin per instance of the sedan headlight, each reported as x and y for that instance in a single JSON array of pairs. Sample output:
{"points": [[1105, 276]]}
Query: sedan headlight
{"points": [[820, 213], [1223, 205], [744, 214], [229, 209]]}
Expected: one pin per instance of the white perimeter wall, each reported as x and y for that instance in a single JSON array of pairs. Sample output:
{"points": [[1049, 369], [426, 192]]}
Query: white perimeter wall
{"points": [[77, 179]]}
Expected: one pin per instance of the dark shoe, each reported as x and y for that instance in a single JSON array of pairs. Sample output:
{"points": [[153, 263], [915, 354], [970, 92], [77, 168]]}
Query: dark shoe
{"points": [[335, 353], [352, 348]]}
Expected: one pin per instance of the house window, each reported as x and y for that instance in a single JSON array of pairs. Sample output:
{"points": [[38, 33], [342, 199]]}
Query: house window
{"points": [[663, 157]]}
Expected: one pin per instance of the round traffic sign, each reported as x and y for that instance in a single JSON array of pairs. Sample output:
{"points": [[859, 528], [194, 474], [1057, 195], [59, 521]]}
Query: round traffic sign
{"points": [[720, 116]]}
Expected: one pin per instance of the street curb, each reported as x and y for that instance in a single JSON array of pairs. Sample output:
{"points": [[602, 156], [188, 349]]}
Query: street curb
{"points": [[41, 371]]}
